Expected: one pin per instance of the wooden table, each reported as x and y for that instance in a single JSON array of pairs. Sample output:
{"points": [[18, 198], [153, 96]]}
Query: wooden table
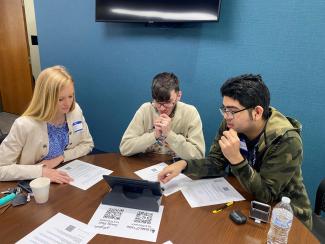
{"points": [[180, 223]]}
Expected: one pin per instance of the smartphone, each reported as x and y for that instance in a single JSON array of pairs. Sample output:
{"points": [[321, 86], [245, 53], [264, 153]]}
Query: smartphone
{"points": [[260, 211], [24, 184]]}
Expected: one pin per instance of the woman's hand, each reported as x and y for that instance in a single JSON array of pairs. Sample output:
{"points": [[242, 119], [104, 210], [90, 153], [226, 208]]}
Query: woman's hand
{"points": [[52, 163], [56, 176]]}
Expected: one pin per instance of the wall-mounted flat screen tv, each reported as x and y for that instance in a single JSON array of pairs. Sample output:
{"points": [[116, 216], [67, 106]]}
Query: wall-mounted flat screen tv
{"points": [[151, 11]]}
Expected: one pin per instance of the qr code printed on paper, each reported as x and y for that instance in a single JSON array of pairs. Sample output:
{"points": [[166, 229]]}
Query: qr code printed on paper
{"points": [[70, 228], [143, 217], [113, 213]]}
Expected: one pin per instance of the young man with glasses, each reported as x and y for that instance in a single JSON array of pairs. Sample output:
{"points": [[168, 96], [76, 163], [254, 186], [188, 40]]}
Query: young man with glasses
{"points": [[165, 125], [262, 147]]}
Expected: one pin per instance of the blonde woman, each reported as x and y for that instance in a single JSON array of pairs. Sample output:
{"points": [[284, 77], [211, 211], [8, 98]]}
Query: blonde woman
{"points": [[52, 130]]}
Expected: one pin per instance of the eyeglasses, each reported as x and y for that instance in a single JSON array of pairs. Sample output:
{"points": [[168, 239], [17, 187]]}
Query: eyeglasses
{"points": [[165, 104], [230, 114]]}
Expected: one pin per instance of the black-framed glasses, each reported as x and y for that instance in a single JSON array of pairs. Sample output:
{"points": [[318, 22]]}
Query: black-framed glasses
{"points": [[165, 104], [229, 113]]}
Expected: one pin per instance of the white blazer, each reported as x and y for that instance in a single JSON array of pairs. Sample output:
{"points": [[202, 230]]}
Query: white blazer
{"points": [[27, 144]]}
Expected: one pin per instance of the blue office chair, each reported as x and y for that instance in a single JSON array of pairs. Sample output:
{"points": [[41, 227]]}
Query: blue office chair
{"points": [[318, 220]]}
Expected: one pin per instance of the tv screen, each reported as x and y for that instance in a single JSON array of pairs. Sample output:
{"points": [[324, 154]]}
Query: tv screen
{"points": [[151, 11]]}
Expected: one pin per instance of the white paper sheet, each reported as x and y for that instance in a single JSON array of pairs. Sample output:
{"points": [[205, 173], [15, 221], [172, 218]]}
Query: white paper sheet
{"points": [[84, 175], [126, 222], [151, 174], [200, 193], [60, 229]]}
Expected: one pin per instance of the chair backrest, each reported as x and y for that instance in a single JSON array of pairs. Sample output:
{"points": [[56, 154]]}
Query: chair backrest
{"points": [[320, 198], [2, 136]]}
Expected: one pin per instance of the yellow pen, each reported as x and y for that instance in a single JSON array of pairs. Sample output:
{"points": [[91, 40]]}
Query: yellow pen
{"points": [[228, 204]]}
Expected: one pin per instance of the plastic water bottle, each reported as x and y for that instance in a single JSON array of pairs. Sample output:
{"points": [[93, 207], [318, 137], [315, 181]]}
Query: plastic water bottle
{"points": [[281, 222]]}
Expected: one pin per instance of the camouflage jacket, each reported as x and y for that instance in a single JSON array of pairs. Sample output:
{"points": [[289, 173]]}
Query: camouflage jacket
{"points": [[279, 156]]}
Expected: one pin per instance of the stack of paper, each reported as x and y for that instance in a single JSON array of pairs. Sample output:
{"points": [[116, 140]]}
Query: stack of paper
{"points": [[84, 175], [209, 192]]}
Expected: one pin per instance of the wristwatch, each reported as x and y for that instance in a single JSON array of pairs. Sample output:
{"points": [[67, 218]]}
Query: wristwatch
{"points": [[161, 140]]}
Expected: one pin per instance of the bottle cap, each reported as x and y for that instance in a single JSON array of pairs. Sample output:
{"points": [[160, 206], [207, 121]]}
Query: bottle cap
{"points": [[285, 200]]}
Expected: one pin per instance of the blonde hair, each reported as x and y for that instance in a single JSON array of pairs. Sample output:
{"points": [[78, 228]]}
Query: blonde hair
{"points": [[46, 93]]}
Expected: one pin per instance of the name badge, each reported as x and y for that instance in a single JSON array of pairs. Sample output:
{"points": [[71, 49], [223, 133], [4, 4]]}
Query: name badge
{"points": [[243, 146], [77, 126]]}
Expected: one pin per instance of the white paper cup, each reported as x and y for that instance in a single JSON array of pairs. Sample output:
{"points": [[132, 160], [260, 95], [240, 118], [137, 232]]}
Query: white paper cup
{"points": [[40, 187]]}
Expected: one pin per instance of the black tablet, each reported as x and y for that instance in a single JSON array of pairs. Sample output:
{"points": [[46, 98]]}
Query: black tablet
{"points": [[133, 185]]}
